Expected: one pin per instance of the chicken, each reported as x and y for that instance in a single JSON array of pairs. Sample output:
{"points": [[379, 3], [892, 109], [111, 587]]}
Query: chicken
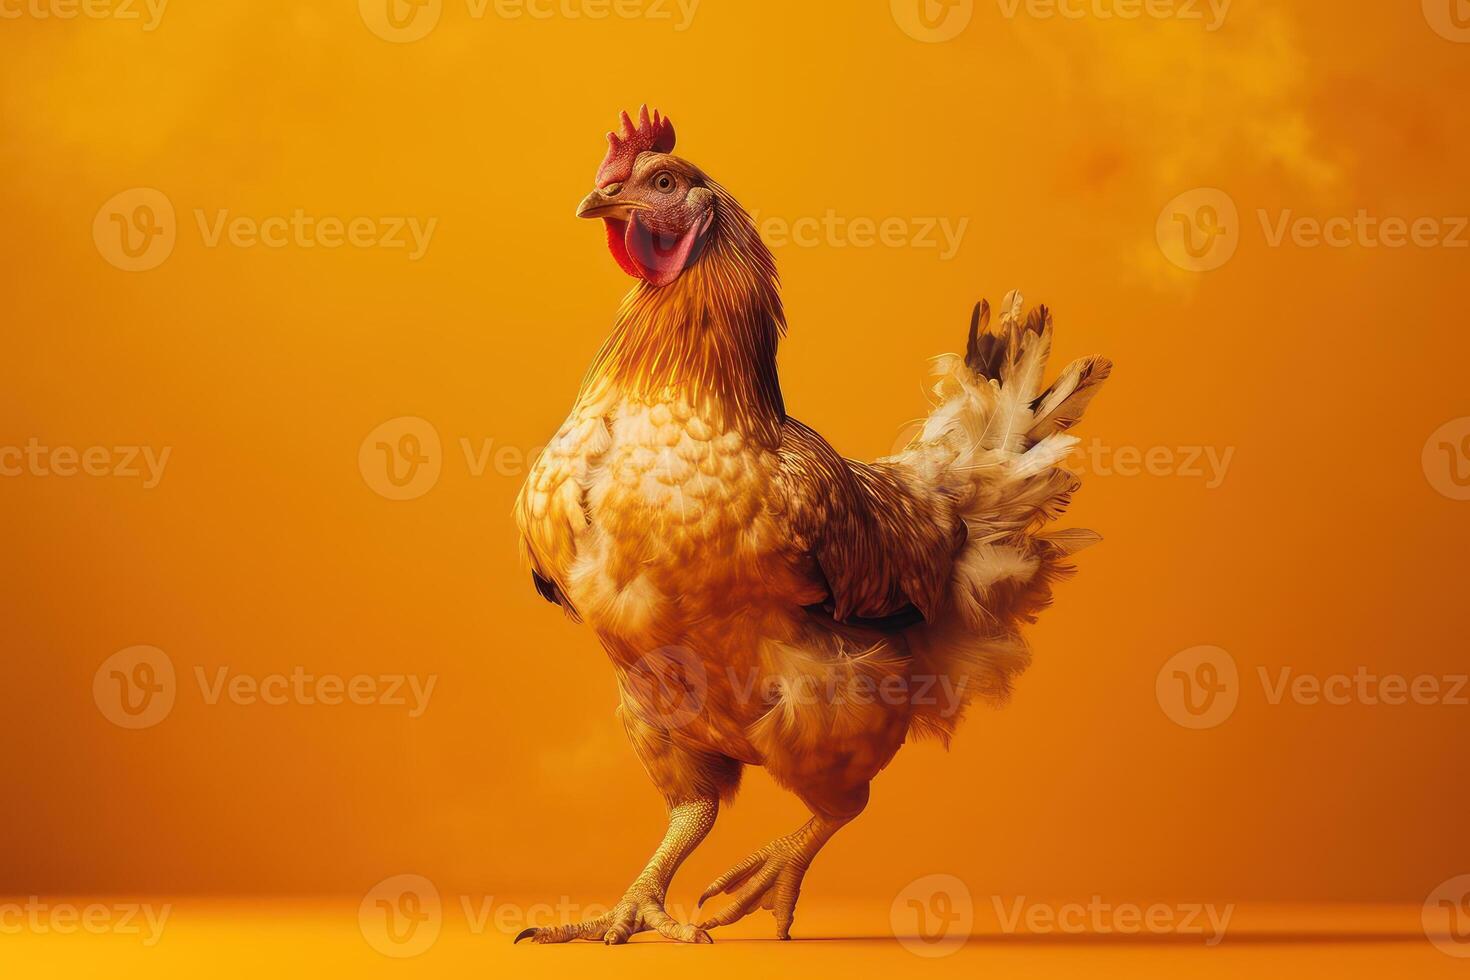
{"points": [[764, 601]]}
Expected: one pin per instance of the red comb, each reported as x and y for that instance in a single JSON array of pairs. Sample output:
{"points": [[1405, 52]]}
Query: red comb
{"points": [[656, 134]]}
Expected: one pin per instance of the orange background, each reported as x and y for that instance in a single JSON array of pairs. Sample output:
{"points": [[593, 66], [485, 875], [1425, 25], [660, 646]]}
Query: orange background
{"points": [[264, 547]]}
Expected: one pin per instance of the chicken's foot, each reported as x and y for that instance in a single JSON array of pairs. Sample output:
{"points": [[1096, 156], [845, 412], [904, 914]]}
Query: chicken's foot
{"points": [[641, 909], [771, 877]]}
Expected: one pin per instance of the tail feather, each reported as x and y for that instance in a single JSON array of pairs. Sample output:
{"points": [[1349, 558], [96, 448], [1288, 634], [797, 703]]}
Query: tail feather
{"points": [[997, 440], [1061, 406]]}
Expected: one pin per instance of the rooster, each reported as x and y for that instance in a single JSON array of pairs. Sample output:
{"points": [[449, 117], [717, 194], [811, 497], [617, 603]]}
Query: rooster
{"points": [[764, 601]]}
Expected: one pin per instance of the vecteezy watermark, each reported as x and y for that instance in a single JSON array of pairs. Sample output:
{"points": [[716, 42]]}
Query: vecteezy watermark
{"points": [[668, 687], [1365, 687], [401, 21], [137, 230], [1209, 464], [35, 459], [936, 21], [1200, 230], [1362, 230], [403, 458], [932, 21], [302, 230], [1446, 917], [401, 916], [135, 688], [833, 230], [138, 687], [406, 21], [1096, 457], [1099, 918], [1210, 13], [148, 13], [1200, 688], [933, 916], [1447, 459], [39, 917], [1450, 19], [409, 691]]}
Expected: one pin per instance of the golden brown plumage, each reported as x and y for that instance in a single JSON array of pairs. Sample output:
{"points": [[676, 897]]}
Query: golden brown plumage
{"points": [[763, 600]]}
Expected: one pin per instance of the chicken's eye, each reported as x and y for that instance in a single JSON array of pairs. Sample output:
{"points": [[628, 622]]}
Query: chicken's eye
{"points": [[664, 182]]}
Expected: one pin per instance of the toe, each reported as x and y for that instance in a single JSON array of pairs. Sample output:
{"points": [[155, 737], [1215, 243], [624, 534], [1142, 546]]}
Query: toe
{"points": [[592, 929], [746, 900], [683, 932], [733, 879], [668, 927]]}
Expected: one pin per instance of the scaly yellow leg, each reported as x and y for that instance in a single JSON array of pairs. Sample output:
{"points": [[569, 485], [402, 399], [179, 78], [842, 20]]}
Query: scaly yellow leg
{"points": [[641, 909]]}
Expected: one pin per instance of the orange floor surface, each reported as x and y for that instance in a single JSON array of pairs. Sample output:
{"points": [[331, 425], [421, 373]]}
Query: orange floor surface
{"points": [[208, 938]]}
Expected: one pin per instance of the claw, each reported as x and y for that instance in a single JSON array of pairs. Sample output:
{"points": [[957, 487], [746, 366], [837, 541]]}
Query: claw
{"points": [[703, 938], [633, 915], [768, 879]]}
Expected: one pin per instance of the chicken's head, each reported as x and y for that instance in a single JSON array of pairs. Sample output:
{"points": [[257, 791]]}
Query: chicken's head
{"points": [[657, 207]]}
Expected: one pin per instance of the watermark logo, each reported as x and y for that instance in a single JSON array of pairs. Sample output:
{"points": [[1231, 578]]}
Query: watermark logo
{"points": [[1199, 688], [933, 916], [1449, 18], [933, 21], [666, 688], [1446, 917], [401, 916], [401, 21], [402, 458], [1447, 459], [136, 230], [135, 688], [1199, 230]]}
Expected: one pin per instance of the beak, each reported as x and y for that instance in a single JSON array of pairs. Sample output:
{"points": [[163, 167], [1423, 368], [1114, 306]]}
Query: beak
{"points": [[598, 204]]}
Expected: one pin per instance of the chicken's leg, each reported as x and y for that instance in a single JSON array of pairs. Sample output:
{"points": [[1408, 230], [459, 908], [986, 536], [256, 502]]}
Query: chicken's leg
{"points": [[642, 907], [692, 783], [771, 877]]}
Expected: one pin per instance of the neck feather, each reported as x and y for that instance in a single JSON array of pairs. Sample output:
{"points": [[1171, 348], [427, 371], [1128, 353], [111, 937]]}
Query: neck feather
{"points": [[709, 337]]}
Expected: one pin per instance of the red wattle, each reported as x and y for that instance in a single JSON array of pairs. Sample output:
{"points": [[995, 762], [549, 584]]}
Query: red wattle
{"points": [[662, 261], [617, 243]]}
